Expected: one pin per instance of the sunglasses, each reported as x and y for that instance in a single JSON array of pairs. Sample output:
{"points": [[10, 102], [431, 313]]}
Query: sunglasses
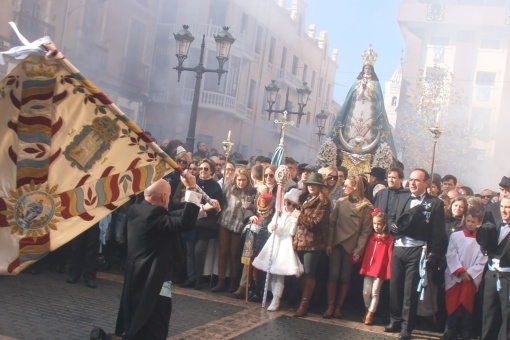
{"points": [[203, 169], [269, 175], [487, 196], [182, 161], [290, 204], [329, 178]]}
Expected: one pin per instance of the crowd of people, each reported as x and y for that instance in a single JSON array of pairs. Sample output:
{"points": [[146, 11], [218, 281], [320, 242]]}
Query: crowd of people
{"points": [[408, 248]]}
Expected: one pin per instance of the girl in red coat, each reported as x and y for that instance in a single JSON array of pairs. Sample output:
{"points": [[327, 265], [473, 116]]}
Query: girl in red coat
{"points": [[376, 263]]}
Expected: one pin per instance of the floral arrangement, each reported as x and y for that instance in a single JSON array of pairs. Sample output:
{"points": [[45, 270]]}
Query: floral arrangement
{"points": [[383, 157], [327, 153]]}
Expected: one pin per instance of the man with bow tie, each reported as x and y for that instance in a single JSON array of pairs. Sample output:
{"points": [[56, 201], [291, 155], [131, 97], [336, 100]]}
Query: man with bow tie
{"points": [[495, 240], [417, 224]]}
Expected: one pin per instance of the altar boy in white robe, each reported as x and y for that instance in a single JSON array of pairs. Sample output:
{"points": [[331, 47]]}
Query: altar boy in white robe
{"points": [[463, 275]]}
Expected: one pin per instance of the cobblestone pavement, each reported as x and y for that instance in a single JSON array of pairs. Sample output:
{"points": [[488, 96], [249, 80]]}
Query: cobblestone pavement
{"points": [[44, 306]]}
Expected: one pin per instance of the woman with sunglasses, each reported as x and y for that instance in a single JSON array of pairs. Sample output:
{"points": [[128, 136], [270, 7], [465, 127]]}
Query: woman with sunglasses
{"points": [[335, 190], [183, 159], [312, 228], [229, 170], [239, 207], [284, 260], [349, 231], [269, 179], [206, 228]]}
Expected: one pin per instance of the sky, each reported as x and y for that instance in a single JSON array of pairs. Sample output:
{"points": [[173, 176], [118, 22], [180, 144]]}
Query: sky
{"points": [[351, 27]]}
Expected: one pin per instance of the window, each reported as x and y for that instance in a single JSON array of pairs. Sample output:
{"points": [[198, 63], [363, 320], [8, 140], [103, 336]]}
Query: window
{"points": [[305, 71], [284, 58], [319, 90], [295, 62], [312, 85], [233, 72], [211, 78], [485, 78], [135, 46], [218, 12], [271, 50], [258, 40], [439, 54], [251, 94], [484, 81], [394, 101], [244, 23], [479, 122]]}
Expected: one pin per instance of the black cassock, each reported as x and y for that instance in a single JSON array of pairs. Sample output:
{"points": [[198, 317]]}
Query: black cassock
{"points": [[153, 250]]}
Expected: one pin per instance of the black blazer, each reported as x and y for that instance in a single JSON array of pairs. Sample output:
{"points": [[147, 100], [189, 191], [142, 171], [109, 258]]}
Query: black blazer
{"points": [[493, 214], [386, 198], [421, 227], [153, 247]]}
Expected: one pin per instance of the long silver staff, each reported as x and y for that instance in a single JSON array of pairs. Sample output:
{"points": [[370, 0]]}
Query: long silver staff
{"points": [[282, 176]]}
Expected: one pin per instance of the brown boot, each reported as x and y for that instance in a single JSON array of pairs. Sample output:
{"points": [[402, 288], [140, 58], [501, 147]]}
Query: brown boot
{"points": [[232, 287], [364, 316], [331, 295], [305, 300], [220, 287], [240, 293], [369, 318], [340, 298]]}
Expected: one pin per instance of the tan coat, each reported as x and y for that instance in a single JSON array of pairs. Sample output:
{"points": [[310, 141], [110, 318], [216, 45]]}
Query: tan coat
{"points": [[351, 225], [312, 226]]}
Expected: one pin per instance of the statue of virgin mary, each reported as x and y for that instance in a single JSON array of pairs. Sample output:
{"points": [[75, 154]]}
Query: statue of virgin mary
{"points": [[361, 126]]}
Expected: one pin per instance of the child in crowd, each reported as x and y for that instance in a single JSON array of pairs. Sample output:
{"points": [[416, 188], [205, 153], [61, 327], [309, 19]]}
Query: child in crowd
{"points": [[376, 264], [463, 275], [278, 249], [255, 236]]}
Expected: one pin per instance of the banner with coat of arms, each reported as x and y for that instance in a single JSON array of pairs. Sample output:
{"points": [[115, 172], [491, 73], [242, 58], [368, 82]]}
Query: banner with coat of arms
{"points": [[69, 157]]}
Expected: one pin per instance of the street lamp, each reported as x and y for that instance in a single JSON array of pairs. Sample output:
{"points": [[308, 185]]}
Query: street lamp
{"points": [[303, 95], [184, 38], [321, 123], [436, 133]]}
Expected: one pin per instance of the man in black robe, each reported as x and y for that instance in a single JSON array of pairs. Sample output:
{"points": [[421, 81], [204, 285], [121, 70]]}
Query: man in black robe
{"points": [[153, 249]]}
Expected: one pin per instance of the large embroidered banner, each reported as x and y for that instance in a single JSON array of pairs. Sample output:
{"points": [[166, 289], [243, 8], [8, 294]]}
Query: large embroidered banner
{"points": [[68, 158]]}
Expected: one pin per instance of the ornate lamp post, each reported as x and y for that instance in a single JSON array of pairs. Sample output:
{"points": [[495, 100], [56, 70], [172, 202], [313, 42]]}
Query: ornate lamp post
{"points": [[184, 38], [436, 133], [321, 123], [303, 95]]}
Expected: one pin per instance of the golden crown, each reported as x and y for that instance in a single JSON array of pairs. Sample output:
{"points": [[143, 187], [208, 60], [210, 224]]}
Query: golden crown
{"points": [[40, 69], [369, 57]]}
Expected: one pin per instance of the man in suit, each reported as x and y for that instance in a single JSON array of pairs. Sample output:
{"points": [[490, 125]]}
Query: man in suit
{"points": [[417, 223], [495, 240], [153, 248], [492, 210], [385, 198]]}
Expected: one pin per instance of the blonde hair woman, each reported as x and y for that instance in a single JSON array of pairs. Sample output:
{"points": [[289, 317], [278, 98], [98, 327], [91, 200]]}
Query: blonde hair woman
{"points": [[349, 230], [330, 175]]}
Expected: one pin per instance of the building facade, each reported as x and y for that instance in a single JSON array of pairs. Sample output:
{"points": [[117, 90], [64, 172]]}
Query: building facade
{"points": [[127, 48], [469, 40]]}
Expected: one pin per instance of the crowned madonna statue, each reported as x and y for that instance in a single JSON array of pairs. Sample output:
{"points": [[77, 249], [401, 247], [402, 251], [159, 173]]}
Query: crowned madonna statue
{"points": [[361, 128]]}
